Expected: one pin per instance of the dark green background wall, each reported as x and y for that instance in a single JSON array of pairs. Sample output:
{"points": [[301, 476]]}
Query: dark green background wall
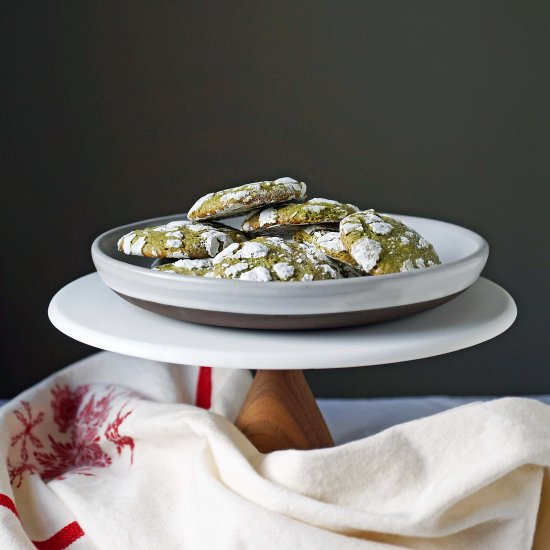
{"points": [[119, 111]]}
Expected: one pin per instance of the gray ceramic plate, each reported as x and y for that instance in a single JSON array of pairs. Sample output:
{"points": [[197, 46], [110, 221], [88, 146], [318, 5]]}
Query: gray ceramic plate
{"points": [[295, 305]]}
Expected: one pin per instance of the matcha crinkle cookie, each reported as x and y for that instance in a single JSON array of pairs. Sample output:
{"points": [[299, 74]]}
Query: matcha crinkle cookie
{"points": [[274, 259], [200, 268], [381, 244], [230, 202], [313, 211], [327, 240], [179, 239]]}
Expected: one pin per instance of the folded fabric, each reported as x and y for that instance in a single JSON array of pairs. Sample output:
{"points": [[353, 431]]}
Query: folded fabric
{"points": [[114, 453]]}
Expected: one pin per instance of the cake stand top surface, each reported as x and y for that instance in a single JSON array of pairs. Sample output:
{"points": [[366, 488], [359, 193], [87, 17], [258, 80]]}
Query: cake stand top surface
{"points": [[88, 311]]}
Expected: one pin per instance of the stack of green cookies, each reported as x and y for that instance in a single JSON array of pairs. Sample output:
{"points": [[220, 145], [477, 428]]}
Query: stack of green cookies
{"points": [[284, 237]]}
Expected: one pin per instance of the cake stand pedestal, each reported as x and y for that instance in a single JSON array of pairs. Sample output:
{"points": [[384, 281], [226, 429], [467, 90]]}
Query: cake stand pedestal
{"points": [[279, 412]]}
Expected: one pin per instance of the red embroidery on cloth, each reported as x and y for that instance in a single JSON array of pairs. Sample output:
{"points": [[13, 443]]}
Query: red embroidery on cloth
{"points": [[111, 433], [81, 425], [75, 457], [17, 473], [26, 435], [83, 451], [60, 540], [203, 398], [65, 405]]}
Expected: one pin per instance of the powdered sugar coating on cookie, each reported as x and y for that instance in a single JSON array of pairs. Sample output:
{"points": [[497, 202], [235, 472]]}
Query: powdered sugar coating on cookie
{"points": [[312, 211], [258, 273], [200, 268], [273, 259], [251, 196], [366, 253], [179, 239], [382, 245], [328, 241]]}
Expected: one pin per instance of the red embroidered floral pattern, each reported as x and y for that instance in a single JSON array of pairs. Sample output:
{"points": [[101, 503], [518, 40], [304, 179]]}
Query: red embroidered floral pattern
{"points": [[17, 472], [26, 435], [111, 433], [65, 405], [82, 421]]}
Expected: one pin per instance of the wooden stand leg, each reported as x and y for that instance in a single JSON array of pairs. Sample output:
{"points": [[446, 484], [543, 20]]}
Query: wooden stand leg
{"points": [[280, 412]]}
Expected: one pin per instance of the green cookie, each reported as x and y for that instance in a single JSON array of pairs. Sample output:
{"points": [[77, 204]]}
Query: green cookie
{"points": [[382, 245], [179, 239], [274, 259], [234, 201], [313, 211], [327, 241]]}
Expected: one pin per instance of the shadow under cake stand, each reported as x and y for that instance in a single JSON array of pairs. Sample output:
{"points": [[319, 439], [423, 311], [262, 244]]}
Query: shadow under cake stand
{"points": [[279, 411]]}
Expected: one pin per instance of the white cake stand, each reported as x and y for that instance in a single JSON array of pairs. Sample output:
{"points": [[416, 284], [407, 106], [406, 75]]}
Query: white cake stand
{"points": [[280, 411]]}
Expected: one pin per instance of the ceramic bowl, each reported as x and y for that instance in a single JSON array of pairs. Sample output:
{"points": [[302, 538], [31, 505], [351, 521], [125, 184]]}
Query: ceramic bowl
{"points": [[295, 305]]}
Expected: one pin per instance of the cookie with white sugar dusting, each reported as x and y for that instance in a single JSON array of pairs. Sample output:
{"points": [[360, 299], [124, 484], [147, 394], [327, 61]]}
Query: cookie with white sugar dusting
{"points": [[313, 211], [327, 240], [179, 239], [274, 259], [238, 200], [381, 244], [198, 268]]}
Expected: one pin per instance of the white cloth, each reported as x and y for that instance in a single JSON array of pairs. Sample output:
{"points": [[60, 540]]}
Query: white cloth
{"points": [[105, 455], [352, 419]]}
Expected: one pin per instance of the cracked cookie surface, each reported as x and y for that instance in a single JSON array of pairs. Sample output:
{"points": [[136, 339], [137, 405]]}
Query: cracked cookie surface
{"points": [[327, 240], [313, 211], [274, 259], [179, 239], [245, 198], [382, 245], [199, 268]]}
